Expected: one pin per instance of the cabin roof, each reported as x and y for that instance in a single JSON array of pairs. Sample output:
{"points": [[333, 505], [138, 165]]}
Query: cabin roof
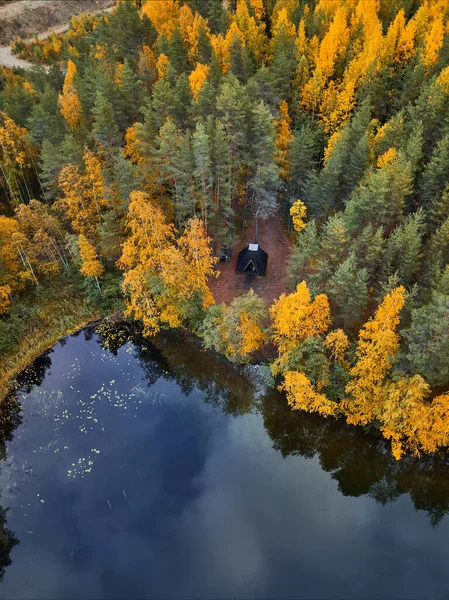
{"points": [[258, 258]]}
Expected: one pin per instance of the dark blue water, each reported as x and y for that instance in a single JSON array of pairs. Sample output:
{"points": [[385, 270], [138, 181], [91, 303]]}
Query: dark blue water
{"points": [[144, 472]]}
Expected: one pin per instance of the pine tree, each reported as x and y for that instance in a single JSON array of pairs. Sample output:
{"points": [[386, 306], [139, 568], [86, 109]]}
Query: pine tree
{"points": [[264, 180], [348, 290], [283, 60], [435, 174], [428, 340], [45, 121], [132, 95], [203, 170], [284, 142], [105, 131], [403, 249]]}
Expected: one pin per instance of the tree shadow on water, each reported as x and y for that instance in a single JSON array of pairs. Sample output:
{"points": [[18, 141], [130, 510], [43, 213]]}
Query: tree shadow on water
{"points": [[359, 460]]}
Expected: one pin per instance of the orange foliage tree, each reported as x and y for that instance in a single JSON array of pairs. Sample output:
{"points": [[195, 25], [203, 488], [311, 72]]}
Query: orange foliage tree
{"points": [[298, 211], [17, 155], [90, 264], [69, 101], [241, 327], [295, 319], [83, 198], [162, 275], [377, 347], [5, 299], [197, 78]]}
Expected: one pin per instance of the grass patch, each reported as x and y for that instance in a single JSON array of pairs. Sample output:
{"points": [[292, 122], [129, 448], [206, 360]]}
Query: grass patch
{"points": [[51, 313]]}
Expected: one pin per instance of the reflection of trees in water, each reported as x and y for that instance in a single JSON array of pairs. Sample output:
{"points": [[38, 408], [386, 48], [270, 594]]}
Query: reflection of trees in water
{"points": [[7, 543], [181, 358], [10, 419], [111, 335], [221, 383], [34, 374], [361, 462]]}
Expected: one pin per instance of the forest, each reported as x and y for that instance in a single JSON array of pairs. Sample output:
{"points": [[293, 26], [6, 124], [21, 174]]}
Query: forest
{"points": [[142, 141]]}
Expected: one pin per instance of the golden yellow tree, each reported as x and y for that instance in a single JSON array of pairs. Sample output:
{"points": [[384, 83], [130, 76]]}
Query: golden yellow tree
{"points": [[146, 64], [288, 5], [186, 23], [337, 344], [17, 155], [162, 64], [253, 30], [367, 57], [161, 274], [302, 395], [199, 24], [334, 43], [298, 211], [443, 80], [83, 198], [197, 262], [164, 14], [377, 346], [45, 237], [312, 92], [221, 52], [197, 78], [148, 254], [16, 260], [284, 141], [412, 422], [69, 101], [433, 42], [386, 158], [399, 43], [222, 47], [337, 106], [5, 299], [241, 327], [295, 317], [90, 263]]}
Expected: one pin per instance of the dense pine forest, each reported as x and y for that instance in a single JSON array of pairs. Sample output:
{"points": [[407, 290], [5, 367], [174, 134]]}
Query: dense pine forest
{"points": [[144, 140]]}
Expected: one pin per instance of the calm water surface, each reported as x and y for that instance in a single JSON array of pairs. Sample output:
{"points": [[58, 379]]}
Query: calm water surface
{"points": [[136, 471]]}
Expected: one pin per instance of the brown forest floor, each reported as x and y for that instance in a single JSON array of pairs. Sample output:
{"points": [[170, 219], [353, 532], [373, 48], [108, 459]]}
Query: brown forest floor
{"points": [[273, 240]]}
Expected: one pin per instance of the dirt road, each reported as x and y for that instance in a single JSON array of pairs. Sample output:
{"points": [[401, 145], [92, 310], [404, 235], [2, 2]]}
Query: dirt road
{"points": [[7, 59], [26, 9]]}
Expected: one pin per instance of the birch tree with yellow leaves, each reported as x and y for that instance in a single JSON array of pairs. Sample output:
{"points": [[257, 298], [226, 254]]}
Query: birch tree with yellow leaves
{"points": [[69, 101]]}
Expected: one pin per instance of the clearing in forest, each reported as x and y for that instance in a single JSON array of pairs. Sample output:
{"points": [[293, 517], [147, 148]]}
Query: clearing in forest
{"points": [[273, 240]]}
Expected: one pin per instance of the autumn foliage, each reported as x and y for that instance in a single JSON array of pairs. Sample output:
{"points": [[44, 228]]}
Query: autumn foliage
{"points": [[156, 133], [161, 273]]}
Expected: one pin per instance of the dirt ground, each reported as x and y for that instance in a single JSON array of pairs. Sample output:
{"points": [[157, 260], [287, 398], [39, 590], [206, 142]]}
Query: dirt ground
{"points": [[273, 240], [27, 18]]}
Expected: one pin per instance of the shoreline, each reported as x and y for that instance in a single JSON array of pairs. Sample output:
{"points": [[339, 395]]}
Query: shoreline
{"points": [[24, 356], [46, 342]]}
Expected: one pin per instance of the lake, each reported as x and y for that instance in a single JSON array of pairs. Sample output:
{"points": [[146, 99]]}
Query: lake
{"points": [[140, 470]]}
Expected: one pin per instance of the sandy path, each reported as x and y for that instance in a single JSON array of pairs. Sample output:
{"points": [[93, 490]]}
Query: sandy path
{"points": [[7, 58]]}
